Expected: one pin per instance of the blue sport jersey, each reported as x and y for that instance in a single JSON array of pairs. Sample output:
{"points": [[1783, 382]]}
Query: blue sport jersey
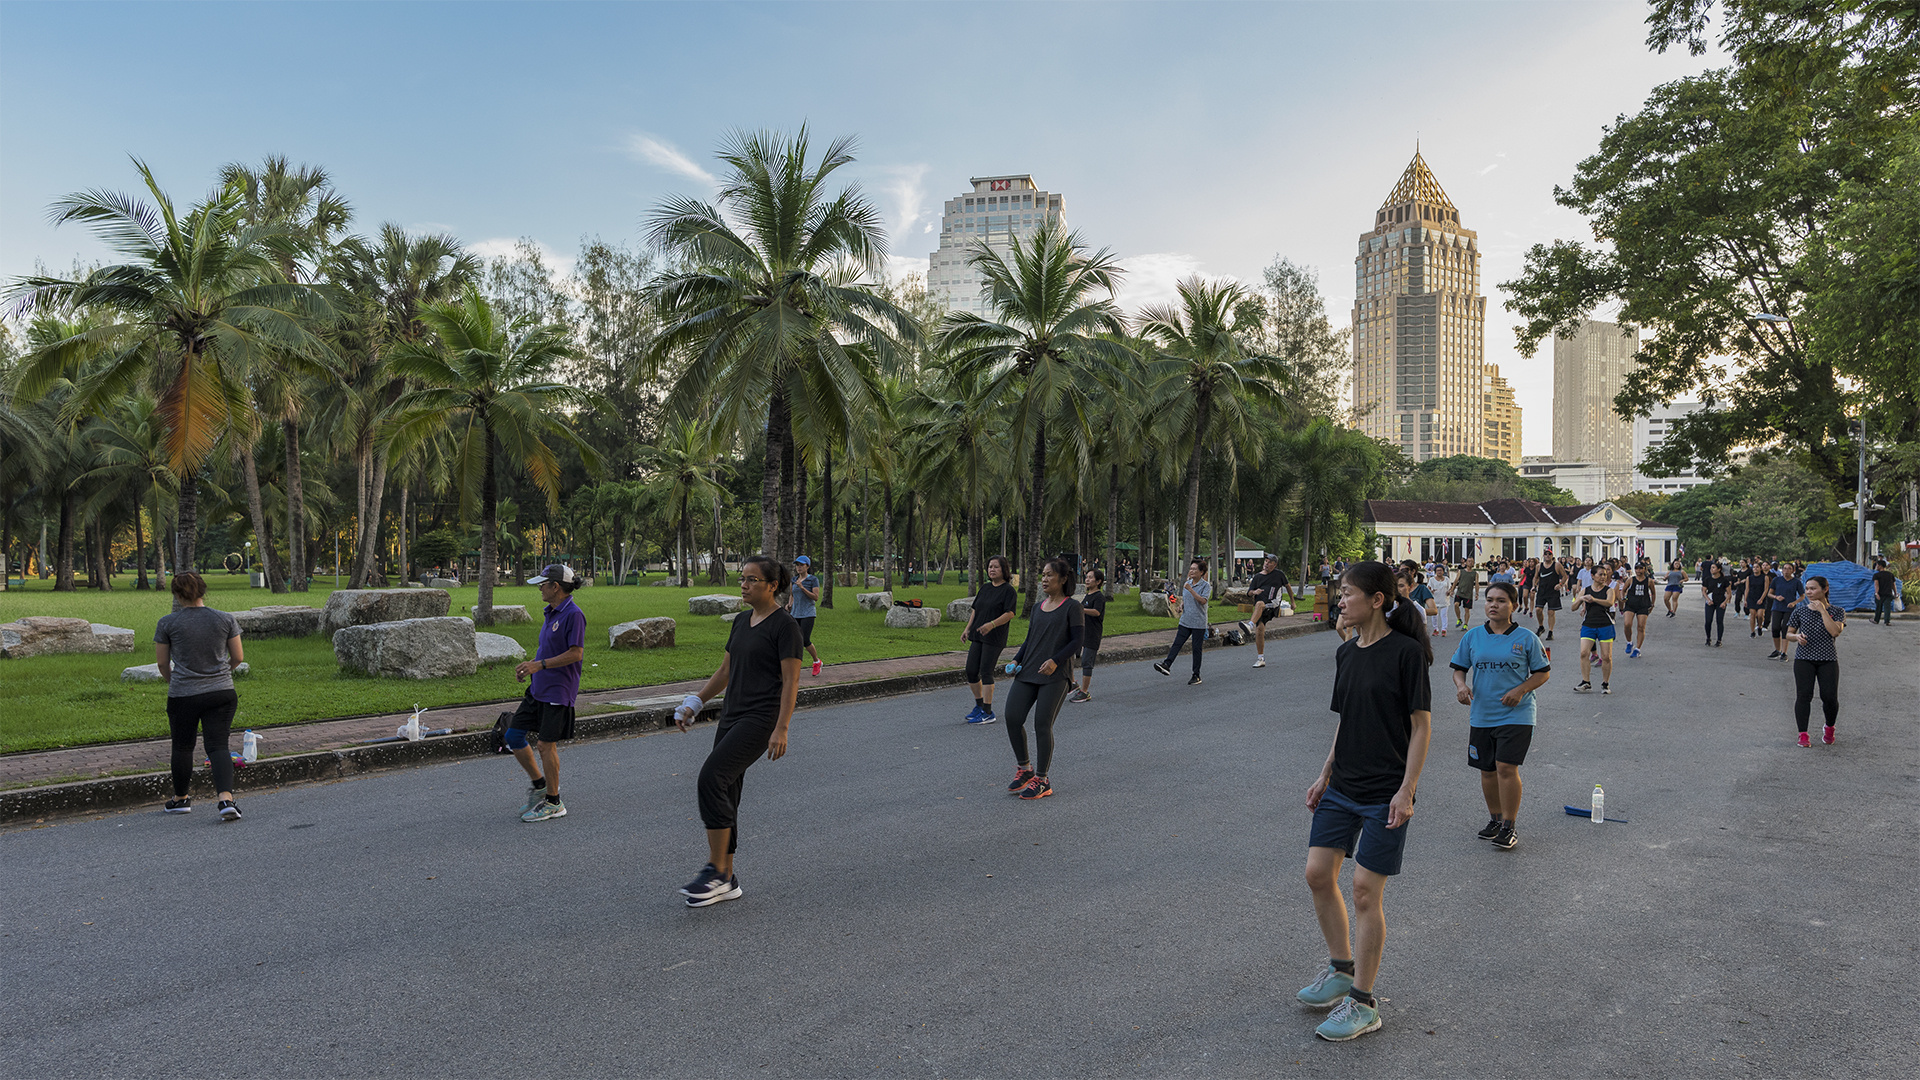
{"points": [[1495, 664]]}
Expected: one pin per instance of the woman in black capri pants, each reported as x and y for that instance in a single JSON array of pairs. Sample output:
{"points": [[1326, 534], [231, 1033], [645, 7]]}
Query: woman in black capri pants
{"points": [[197, 648], [1714, 585], [1813, 625], [1042, 675], [986, 635]]}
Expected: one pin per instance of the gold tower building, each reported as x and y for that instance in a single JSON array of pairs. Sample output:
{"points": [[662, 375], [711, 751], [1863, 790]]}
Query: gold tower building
{"points": [[1418, 325], [1502, 419]]}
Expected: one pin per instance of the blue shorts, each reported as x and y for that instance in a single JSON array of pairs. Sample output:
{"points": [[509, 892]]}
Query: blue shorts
{"points": [[1597, 633], [1674, 588], [1339, 820]]}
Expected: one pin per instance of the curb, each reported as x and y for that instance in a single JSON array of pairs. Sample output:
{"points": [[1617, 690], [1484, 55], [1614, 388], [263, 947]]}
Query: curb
{"points": [[36, 805]]}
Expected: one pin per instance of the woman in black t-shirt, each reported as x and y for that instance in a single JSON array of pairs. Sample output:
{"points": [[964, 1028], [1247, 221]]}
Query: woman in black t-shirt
{"points": [[1042, 675], [1715, 585], [1636, 600], [1757, 597], [986, 635], [1094, 607], [761, 674]]}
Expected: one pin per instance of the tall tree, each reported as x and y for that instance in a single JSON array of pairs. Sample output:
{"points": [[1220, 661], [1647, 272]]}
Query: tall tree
{"points": [[687, 471]]}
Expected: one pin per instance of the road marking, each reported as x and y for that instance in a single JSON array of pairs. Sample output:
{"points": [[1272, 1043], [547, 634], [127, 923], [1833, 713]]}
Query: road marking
{"points": [[681, 964]]}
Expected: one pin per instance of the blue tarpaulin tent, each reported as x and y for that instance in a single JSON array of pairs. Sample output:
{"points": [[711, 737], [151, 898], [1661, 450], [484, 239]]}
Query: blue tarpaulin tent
{"points": [[1848, 585]]}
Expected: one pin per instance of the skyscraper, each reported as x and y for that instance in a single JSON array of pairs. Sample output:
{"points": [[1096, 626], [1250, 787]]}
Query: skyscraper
{"points": [[1418, 320], [1589, 369], [1501, 419], [998, 209]]}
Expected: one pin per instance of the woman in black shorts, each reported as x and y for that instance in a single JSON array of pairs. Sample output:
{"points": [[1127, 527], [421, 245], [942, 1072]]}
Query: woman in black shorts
{"points": [[1813, 626], [986, 635], [1757, 581], [1042, 675], [1715, 586], [197, 648], [1637, 601]]}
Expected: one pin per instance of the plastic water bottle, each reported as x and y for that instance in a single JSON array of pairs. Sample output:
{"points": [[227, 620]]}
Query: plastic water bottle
{"points": [[249, 747], [1599, 805]]}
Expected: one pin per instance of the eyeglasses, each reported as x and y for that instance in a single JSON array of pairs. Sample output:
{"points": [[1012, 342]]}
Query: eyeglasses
{"points": [[753, 581]]}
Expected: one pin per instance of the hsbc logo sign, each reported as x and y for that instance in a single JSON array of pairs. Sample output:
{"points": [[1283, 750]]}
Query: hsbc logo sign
{"points": [[999, 185]]}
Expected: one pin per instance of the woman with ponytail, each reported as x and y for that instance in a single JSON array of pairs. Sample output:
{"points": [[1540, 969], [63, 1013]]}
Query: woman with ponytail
{"points": [[1365, 791]]}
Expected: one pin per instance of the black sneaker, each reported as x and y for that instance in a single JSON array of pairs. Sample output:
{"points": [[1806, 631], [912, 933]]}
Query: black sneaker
{"points": [[1195, 681], [709, 883], [1162, 668], [1492, 829], [1506, 838], [1021, 775], [1605, 689], [228, 811], [1583, 687], [729, 890], [1549, 635], [181, 805]]}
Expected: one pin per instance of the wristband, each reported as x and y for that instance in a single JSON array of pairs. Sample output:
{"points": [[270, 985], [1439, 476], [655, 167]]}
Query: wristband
{"points": [[692, 703]]}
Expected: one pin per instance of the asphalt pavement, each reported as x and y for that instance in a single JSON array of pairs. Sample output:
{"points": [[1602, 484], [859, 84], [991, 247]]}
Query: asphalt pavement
{"points": [[903, 916]]}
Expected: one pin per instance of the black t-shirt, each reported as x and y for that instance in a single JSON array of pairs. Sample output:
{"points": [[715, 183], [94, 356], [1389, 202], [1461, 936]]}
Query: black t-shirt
{"points": [[1376, 691], [1756, 587], [1883, 583], [1549, 581], [1095, 601], [1049, 635], [1595, 614], [1267, 586], [993, 602], [754, 654], [1716, 588]]}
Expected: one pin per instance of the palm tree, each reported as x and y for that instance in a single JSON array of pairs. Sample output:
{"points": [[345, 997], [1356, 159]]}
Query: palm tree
{"points": [[303, 202], [957, 414], [130, 461], [26, 436], [1205, 373], [764, 320], [687, 469], [197, 299], [488, 382], [1045, 346], [1333, 469]]}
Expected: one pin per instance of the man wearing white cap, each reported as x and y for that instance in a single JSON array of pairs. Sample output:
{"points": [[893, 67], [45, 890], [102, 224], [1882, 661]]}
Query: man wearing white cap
{"points": [[546, 712]]}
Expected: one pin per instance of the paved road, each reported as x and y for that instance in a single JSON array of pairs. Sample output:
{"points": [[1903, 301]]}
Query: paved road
{"points": [[902, 917]]}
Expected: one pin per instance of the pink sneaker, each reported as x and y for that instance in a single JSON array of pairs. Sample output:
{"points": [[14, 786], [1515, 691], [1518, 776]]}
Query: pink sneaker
{"points": [[1804, 740], [816, 669], [1826, 734]]}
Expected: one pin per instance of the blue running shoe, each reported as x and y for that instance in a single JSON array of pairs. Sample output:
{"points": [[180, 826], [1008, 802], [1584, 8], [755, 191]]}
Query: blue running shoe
{"points": [[1349, 1020], [974, 715], [984, 717], [1327, 990]]}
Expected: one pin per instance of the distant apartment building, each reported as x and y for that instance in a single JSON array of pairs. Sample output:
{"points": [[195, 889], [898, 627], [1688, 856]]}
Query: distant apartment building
{"points": [[1502, 418], [1418, 325], [998, 209], [1587, 482], [1648, 433], [1589, 370]]}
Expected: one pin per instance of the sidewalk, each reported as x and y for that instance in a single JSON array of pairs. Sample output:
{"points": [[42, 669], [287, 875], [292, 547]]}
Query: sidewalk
{"points": [[41, 767]]}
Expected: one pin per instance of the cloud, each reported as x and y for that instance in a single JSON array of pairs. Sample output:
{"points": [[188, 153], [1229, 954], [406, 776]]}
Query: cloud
{"points": [[1489, 168], [1151, 278], [905, 191], [501, 247], [662, 155]]}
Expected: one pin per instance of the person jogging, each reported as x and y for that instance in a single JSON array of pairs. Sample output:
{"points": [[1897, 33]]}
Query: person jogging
{"points": [[1884, 585], [804, 603], [1267, 585], [1094, 609], [1676, 585], [196, 649], [1637, 601], [545, 715], [986, 635], [760, 671], [1759, 578], [1716, 587], [1546, 601], [1596, 633], [1190, 600], [1741, 571], [1042, 674], [1465, 584], [1496, 669], [1783, 592], [1814, 624], [1365, 790]]}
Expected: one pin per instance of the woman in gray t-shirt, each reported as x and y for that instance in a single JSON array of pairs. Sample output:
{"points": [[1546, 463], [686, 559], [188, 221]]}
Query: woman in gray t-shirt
{"points": [[197, 648]]}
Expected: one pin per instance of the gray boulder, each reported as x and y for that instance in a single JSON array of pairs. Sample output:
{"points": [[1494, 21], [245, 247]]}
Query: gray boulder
{"points": [[46, 635], [960, 610], [641, 634], [1237, 596], [151, 672], [875, 581], [364, 607], [507, 613], [278, 620], [714, 604], [1155, 603], [442, 583], [913, 618], [498, 649], [428, 648], [874, 601]]}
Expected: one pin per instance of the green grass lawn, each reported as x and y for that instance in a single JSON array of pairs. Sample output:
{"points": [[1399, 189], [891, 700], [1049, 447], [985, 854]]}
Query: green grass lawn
{"points": [[53, 701]]}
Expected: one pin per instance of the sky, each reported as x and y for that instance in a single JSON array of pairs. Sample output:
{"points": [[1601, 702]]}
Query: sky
{"points": [[1188, 138]]}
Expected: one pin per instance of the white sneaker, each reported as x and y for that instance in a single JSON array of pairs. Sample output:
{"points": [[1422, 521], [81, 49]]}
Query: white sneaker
{"points": [[1259, 660]]}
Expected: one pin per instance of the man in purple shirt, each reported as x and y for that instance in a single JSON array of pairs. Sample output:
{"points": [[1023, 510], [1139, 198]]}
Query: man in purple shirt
{"points": [[547, 710]]}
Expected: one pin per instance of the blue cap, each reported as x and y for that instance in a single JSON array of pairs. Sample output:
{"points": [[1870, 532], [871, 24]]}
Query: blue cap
{"points": [[804, 561]]}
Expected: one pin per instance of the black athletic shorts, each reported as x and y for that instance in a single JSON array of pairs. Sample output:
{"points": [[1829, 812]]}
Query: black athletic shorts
{"points": [[1506, 744], [1463, 601], [1549, 600], [1640, 609], [553, 722], [1268, 614], [806, 629]]}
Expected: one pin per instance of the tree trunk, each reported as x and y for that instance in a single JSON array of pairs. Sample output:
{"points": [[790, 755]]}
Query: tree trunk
{"points": [[1306, 546], [886, 534], [717, 573], [186, 526], [907, 548], [63, 566], [778, 422], [789, 503], [1113, 520], [826, 523], [976, 540], [803, 510], [1200, 418], [846, 527], [1036, 511], [368, 564], [139, 550], [1143, 557], [406, 570], [946, 549], [866, 528], [297, 562], [262, 527], [489, 532]]}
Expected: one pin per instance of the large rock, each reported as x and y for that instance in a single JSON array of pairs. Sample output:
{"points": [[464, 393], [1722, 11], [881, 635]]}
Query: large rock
{"points": [[151, 672], [641, 634], [278, 620], [46, 635], [1237, 596], [874, 601], [498, 649], [431, 648], [672, 582], [508, 613], [714, 604], [875, 581], [913, 618], [363, 607], [441, 583], [960, 610], [1155, 603]]}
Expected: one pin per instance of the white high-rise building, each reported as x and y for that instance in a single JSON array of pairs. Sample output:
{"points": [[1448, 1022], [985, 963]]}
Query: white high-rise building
{"points": [[998, 209], [1589, 370], [1648, 433]]}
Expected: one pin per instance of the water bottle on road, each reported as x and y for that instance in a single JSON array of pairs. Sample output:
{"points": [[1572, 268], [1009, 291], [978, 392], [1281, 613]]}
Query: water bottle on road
{"points": [[1599, 805]]}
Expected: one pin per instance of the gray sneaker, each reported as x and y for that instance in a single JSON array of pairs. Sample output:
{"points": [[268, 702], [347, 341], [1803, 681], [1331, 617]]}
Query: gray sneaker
{"points": [[1327, 990], [535, 796], [547, 809]]}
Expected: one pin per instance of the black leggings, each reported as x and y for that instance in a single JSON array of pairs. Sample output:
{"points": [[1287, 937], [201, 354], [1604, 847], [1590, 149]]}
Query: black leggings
{"points": [[1044, 699], [982, 658], [187, 717], [1716, 619], [1805, 674], [1180, 636], [737, 743]]}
